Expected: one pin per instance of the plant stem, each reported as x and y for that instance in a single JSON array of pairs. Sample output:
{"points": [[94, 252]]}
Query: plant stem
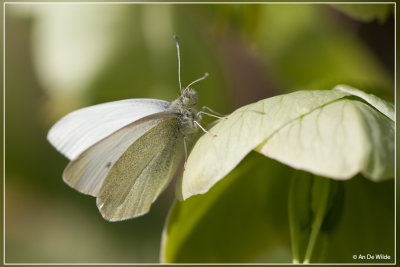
{"points": [[299, 213], [322, 186]]}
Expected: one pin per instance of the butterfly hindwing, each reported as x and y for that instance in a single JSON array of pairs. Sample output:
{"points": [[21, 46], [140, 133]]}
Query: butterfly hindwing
{"points": [[142, 172]]}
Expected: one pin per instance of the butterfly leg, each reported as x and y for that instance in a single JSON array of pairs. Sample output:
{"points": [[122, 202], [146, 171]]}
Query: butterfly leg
{"points": [[204, 130], [216, 114]]}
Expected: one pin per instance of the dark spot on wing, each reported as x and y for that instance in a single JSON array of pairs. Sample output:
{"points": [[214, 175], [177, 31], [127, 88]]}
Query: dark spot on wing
{"points": [[108, 165]]}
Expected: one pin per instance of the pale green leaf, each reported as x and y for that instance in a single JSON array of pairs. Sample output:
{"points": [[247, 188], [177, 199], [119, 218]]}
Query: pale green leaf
{"points": [[318, 131], [378, 103], [338, 140], [243, 130]]}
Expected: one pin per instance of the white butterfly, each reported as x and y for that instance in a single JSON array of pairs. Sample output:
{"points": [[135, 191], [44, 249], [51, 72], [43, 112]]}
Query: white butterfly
{"points": [[126, 152]]}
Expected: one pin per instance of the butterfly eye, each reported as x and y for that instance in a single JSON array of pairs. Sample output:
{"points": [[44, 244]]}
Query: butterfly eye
{"points": [[186, 101]]}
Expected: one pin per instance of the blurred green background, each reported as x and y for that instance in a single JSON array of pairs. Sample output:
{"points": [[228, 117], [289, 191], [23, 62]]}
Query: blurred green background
{"points": [[62, 57]]}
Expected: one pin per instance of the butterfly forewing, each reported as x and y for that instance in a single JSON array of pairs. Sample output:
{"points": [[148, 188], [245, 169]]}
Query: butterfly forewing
{"points": [[142, 172], [77, 131]]}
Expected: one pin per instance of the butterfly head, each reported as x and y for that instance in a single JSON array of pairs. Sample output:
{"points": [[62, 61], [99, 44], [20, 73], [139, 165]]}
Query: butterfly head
{"points": [[188, 97]]}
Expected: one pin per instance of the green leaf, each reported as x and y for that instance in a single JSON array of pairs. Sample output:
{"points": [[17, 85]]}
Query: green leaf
{"points": [[366, 12], [241, 219], [323, 132], [366, 225], [244, 218]]}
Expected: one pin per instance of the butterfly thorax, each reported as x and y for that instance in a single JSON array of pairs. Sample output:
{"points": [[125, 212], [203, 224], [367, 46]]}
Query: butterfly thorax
{"points": [[184, 105]]}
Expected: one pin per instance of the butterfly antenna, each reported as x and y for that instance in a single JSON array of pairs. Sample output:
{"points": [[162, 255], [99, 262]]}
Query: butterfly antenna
{"points": [[199, 79], [179, 61]]}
